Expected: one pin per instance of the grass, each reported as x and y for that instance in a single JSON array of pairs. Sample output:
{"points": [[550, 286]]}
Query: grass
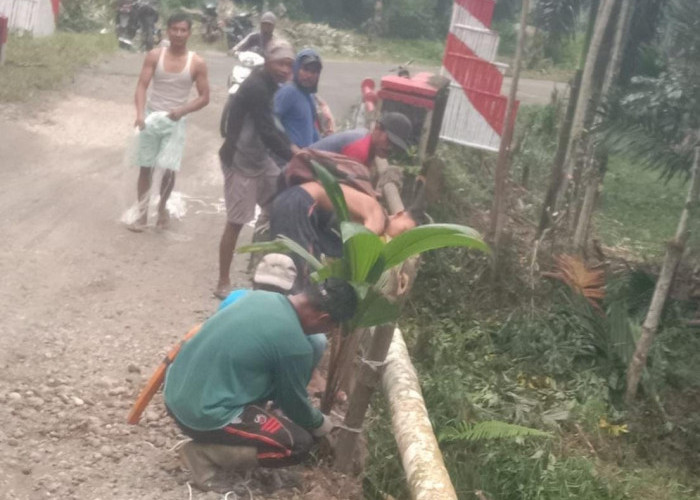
{"points": [[639, 211], [35, 64], [398, 50]]}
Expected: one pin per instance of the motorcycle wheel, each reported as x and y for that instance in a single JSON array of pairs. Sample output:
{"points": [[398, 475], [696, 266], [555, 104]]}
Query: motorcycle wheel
{"points": [[147, 36]]}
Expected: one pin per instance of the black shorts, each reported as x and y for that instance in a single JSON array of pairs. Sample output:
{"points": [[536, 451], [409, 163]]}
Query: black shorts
{"points": [[280, 442], [296, 215]]}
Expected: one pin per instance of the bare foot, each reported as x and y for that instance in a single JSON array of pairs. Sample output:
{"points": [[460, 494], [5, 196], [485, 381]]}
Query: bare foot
{"points": [[163, 220], [136, 227], [222, 290]]}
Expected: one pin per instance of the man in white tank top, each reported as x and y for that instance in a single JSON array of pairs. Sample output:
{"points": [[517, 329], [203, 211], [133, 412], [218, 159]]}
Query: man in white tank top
{"points": [[172, 71]]}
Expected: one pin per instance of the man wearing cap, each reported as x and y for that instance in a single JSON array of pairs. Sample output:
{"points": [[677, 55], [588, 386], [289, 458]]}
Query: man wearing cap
{"points": [[393, 130], [250, 174], [258, 40], [295, 103]]}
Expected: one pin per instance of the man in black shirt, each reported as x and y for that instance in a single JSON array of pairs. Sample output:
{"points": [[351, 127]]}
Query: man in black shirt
{"points": [[250, 174]]}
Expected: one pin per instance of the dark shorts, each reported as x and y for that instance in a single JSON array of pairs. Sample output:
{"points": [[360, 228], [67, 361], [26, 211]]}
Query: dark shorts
{"points": [[296, 216], [280, 442]]}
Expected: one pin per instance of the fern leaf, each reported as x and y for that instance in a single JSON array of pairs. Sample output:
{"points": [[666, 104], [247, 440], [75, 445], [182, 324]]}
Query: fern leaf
{"points": [[488, 430]]}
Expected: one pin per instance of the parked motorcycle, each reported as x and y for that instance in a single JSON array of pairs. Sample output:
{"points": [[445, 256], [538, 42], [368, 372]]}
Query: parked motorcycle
{"points": [[134, 16], [237, 27], [247, 61], [211, 29], [126, 24]]}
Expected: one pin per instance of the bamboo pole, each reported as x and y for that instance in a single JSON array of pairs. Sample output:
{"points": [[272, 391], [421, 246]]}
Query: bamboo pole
{"points": [[422, 460], [498, 209], [674, 252]]}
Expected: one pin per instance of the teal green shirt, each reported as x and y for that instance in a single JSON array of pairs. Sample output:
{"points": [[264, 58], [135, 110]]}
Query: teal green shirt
{"points": [[251, 351]]}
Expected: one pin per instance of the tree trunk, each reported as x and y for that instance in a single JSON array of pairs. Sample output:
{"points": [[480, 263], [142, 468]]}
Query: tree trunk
{"points": [[594, 174], [586, 213], [559, 157], [498, 209], [622, 32], [583, 104], [422, 460], [549, 208], [674, 252]]}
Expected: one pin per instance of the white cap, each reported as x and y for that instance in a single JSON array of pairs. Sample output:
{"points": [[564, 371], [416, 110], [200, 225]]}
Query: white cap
{"points": [[276, 269]]}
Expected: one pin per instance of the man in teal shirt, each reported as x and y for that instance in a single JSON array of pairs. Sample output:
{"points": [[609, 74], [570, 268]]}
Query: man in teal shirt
{"points": [[251, 352]]}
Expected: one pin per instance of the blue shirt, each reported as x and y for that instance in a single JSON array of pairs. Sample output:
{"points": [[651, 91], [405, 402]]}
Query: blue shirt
{"points": [[296, 111]]}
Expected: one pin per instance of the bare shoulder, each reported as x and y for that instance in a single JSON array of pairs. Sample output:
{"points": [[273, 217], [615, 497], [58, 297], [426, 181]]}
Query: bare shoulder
{"points": [[199, 63], [151, 58]]}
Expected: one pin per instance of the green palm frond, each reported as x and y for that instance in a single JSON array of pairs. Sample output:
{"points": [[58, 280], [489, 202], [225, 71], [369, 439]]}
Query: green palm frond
{"points": [[488, 430], [282, 244]]}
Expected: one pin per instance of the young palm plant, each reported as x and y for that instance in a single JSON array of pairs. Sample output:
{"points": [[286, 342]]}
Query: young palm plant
{"points": [[367, 258]]}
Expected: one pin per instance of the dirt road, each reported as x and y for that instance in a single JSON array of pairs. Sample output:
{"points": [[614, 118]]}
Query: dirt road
{"points": [[89, 308]]}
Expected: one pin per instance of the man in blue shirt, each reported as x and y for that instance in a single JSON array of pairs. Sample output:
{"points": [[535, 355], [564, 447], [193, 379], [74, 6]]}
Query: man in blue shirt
{"points": [[295, 104]]}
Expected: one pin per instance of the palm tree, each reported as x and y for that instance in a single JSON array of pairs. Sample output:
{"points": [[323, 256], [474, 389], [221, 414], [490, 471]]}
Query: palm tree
{"points": [[657, 124]]}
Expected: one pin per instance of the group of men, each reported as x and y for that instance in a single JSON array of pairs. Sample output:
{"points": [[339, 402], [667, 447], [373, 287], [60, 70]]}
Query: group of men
{"points": [[258, 348]]}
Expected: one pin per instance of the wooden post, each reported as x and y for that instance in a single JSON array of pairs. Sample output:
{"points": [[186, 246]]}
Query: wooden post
{"points": [[4, 29], [498, 208], [367, 379]]}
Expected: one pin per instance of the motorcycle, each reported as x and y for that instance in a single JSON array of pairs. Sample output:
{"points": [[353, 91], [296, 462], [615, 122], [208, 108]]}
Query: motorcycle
{"points": [[126, 25], [247, 61], [211, 30], [137, 16], [236, 28]]}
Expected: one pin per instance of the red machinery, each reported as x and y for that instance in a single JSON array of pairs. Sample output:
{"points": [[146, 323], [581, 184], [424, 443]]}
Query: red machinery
{"points": [[422, 98]]}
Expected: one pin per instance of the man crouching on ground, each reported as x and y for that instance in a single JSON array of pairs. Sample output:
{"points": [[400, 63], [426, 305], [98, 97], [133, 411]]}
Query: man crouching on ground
{"points": [[253, 351]]}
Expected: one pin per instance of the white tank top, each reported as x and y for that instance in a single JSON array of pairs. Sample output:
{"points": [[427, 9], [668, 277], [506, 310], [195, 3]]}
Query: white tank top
{"points": [[170, 90]]}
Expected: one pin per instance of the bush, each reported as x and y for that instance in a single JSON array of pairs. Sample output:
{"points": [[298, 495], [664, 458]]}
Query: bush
{"points": [[84, 15]]}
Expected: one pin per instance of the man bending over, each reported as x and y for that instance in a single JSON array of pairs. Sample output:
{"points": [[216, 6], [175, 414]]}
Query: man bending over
{"points": [[250, 352]]}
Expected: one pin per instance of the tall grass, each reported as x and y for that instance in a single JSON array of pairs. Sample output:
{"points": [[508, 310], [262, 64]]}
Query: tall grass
{"points": [[35, 64]]}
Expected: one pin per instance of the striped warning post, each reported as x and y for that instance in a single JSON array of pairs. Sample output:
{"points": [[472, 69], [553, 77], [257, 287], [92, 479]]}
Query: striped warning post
{"points": [[476, 109]]}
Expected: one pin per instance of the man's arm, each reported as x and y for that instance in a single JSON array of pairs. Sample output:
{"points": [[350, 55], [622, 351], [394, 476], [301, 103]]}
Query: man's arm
{"points": [[362, 207], [147, 70], [201, 80], [244, 44], [290, 379], [272, 137]]}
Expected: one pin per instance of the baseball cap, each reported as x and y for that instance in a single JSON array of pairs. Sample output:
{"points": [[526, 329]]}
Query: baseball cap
{"points": [[398, 129], [276, 269], [279, 49], [268, 17]]}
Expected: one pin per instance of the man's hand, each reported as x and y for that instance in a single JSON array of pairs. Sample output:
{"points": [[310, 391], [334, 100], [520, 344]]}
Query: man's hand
{"points": [[140, 122], [295, 149], [176, 114], [327, 444]]}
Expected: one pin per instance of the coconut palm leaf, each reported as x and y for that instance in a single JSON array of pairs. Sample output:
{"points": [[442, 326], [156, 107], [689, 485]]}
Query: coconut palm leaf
{"points": [[362, 248], [335, 194], [430, 237], [375, 309], [283, 245]]}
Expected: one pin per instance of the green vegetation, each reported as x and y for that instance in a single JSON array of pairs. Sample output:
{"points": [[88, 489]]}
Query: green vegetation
{"points": [[539, 356], [421, 50], [639, 210], [35, 64]]}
